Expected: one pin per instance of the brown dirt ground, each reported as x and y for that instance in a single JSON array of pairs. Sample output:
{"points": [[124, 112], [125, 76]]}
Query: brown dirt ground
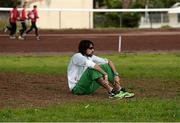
{"points": [[30, 90]]}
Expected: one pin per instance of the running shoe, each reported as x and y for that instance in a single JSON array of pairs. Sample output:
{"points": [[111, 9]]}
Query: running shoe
{"points": [[120, 95]]}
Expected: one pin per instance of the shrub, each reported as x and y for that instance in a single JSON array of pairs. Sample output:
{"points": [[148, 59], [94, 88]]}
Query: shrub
{"points": [[130, 19], [165, 27]]}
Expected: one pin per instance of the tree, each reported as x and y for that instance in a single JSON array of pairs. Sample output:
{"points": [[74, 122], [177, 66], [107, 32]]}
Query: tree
{"points": [[113, 4], [169, 3], [9, 3], [99, 3], [154, 3], [129, 19]]}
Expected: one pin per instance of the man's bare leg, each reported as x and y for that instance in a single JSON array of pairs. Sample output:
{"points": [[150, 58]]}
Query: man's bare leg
{"points": [[105, 84], [117, 86]]}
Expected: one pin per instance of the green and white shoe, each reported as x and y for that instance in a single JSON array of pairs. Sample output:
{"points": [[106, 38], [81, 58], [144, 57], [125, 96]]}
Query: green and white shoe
{"points": [[123, 94], [128, 94], [120, 95]]}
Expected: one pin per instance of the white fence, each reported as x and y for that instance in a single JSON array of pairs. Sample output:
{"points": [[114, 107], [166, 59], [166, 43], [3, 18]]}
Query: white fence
{"points": [[57, 18]]}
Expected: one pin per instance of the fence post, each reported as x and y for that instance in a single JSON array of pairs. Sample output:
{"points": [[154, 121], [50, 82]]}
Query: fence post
{"points": [[59, 19], [119, 43]]}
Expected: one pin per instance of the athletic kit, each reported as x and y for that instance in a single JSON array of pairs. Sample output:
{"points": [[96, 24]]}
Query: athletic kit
{"points": [[81, 76], [23, 23], [13, 17], [33, 16], [22, 17]]}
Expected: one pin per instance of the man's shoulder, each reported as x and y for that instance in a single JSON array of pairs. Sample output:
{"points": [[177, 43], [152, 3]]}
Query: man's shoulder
{"points": [[94, 56], [77, 54]]}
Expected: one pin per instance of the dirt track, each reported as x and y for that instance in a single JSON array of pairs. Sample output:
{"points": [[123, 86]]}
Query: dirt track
{"points": [[66, 41], [27, 90]]}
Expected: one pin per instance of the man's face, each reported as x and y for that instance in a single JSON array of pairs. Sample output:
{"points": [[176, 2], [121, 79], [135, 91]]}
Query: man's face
{"points": [[90, 50]]}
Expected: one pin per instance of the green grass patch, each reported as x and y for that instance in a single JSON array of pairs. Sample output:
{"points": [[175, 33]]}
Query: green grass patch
{"points": [[148, 66], [132, 66], [110, 111], [31, 64]]}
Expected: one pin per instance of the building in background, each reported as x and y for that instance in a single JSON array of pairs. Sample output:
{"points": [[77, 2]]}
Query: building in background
{"points": [[63, 20], [162, 19]]}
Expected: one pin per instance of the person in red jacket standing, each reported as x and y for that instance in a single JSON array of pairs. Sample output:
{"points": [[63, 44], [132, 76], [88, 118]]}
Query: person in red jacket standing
{"points": [[13, 17], [23, 22], [33, 16]]}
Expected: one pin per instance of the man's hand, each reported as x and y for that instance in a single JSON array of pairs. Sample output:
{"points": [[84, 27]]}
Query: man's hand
{"points": [[116, 78], [105, 76]]}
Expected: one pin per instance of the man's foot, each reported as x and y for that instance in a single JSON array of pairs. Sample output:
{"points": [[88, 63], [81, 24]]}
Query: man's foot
{"points": [[24, 35], [37, 38], [5, 29], [111, 95], [127, 94], [123, 94], [120, 95], [20, 38], [12, 37]]}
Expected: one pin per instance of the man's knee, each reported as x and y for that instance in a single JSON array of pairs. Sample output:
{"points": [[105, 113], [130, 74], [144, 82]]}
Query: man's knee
{"points": [[102, 81]]}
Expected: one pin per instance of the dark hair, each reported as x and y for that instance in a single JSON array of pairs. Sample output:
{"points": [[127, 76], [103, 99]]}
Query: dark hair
{"points": [[35, 6], [24, 5], [15, 6], [84, 45]]}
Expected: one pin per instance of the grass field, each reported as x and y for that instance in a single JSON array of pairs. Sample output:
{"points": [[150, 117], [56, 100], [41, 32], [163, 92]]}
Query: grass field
{"points": [[131, 66], [155, 70]]}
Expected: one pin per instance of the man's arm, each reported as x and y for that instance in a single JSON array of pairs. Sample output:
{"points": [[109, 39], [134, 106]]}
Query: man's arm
{"points": [[99, 69], [116, 74], [99, 60], [113, 68]]}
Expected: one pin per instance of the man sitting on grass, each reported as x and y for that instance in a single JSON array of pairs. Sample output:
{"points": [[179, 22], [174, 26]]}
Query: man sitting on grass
{"points": [[87, 72]]}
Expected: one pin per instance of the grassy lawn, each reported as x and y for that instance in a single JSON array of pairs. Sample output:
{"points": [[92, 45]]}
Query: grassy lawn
{"points": [[109, 111], [151, 67], [131, 66]]}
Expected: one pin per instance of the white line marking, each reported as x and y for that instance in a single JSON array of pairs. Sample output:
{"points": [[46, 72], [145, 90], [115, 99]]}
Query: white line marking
{"points": [[105, 34]]}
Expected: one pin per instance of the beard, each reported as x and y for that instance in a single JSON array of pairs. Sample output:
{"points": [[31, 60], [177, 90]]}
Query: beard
{"points": [[89, 55]]}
